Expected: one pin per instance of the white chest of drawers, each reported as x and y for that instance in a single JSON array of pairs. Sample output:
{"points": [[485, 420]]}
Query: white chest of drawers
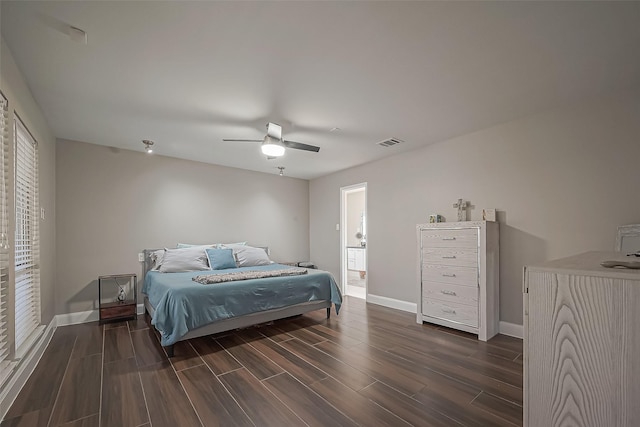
{"points": [[458, 275], [581, 343]]}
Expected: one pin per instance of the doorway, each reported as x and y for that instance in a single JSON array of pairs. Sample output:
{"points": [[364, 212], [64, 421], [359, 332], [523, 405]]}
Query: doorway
{"points": [[354, 240]]}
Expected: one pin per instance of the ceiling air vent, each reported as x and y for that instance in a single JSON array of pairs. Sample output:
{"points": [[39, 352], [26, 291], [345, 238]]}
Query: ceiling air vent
{"points": [[390, 142]]}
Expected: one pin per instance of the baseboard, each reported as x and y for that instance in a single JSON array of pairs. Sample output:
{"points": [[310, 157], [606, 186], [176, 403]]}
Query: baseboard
{"points": [[506, 328], [25, 368], [85, 316], [511, 329], [392, 303], [77, 317]]}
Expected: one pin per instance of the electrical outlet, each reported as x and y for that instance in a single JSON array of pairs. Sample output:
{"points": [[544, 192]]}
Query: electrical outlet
{"points": [[337, 227], [141, 257]]}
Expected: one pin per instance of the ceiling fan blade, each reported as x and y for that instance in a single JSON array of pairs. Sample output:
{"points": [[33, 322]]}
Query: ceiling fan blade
{"points": [[300, 146], [241, 140]]}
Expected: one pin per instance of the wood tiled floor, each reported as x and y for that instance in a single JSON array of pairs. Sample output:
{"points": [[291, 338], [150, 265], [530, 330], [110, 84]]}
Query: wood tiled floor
{"points": [[369, 366]]}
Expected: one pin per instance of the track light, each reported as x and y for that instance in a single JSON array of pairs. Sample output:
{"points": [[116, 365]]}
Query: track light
{"points": [[147, 145]]}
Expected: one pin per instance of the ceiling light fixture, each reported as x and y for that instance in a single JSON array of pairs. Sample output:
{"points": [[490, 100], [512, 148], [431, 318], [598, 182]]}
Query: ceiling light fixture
{"points": [[272, 147], [147, 145], [281, 170]]}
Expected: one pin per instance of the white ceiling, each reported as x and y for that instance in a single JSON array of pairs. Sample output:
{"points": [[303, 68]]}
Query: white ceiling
{"points": [[187, 74]]}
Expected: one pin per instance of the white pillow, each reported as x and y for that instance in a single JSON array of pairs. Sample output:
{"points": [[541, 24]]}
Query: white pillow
{"points": [[184, 259], [248, 256], [188, 246], [212, 245], [156, 257], [236, 243]]}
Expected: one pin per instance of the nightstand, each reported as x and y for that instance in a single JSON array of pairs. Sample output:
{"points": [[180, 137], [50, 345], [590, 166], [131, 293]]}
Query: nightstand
{"points": [[122, 293]]}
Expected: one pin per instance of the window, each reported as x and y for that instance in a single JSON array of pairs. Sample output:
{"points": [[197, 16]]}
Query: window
{"points": [[27, 242], [5, 365]]}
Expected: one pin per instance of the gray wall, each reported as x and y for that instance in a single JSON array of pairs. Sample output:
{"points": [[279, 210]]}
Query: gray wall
{"points": [[562, 181], [113, 203], [21, 101]]}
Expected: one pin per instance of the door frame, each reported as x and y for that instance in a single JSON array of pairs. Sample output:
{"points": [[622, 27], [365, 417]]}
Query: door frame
{"points": [[344, 191]]}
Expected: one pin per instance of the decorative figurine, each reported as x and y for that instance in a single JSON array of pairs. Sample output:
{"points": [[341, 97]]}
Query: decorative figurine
{"points": [[435, 218], [462, 209]]}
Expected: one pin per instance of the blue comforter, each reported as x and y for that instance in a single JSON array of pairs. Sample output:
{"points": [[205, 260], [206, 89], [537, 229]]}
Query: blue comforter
{"points": [[182, 305]]}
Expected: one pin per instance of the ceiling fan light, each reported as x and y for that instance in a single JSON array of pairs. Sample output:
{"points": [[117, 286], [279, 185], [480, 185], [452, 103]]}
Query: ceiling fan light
{"points": [[272, 147], [148, 145]]}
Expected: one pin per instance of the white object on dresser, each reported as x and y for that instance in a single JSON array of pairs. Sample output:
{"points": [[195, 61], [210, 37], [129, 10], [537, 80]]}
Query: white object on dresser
{"points": [[489, 214], [628, 238], [581, 343], [458, 276]]}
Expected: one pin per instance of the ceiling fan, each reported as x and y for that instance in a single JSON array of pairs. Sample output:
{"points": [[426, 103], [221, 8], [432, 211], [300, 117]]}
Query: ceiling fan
{"points": [[273, 145]]}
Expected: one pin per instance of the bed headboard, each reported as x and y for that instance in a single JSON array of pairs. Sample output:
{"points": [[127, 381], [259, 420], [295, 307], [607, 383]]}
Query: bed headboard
{"points": [[147, 264]]}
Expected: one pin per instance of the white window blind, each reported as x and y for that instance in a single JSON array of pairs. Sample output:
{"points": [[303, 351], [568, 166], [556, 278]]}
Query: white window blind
{"points": [[27, 242], [5, 364]]}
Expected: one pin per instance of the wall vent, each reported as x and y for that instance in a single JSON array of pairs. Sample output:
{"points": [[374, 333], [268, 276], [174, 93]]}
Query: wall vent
{"points": [[390, 142]]}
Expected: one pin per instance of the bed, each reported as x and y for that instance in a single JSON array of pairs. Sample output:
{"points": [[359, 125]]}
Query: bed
{"points": [[181, 308]]}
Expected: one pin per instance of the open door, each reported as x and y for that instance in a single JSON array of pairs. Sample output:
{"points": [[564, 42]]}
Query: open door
{"points": [[353, 240]]}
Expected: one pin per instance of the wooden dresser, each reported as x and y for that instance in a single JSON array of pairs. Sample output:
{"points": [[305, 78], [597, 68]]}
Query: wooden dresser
{"points": [[458, 275], [582, 343]]}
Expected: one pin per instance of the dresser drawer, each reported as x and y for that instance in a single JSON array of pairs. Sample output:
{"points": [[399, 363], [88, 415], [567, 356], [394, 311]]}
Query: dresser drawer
{"points": [[465, 276], [465, 314], [445, 292], [115, 311], [453, 238], [461, 257]]}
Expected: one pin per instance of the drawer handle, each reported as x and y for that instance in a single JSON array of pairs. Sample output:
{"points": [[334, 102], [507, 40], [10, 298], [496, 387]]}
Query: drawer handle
{"points": [[449, 257], [448, 310], [448, 275], [448, 238], [448, 292]]}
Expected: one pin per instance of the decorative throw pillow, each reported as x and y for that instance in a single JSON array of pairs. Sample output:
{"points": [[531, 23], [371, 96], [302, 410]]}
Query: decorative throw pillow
{"points": [[221, 259], [248, 256], [184, 259]]}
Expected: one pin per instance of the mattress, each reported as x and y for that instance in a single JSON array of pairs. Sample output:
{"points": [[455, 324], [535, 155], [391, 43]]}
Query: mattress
{"points": [[182, 305]]}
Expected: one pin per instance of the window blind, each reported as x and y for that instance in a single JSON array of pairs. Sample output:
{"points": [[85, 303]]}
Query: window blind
{"points": [[5, 364], [27, 243]]}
